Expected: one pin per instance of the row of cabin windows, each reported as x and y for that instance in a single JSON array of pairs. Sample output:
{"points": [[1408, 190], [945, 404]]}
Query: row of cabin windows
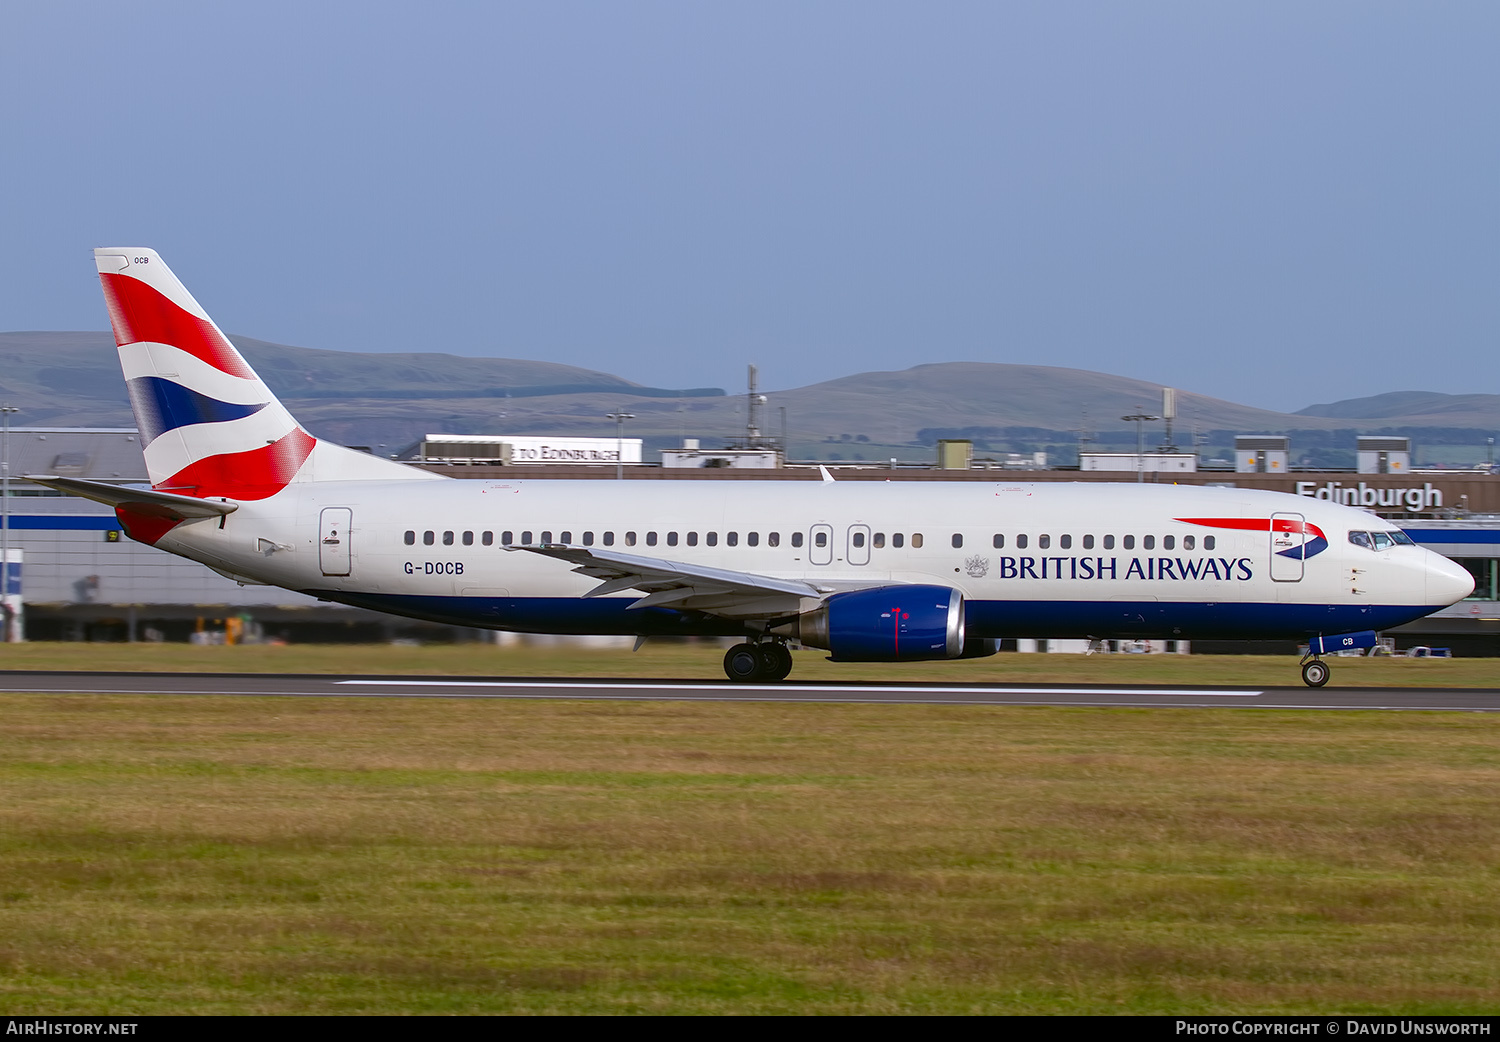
{"points": [[1065, 542], [820, 539]]}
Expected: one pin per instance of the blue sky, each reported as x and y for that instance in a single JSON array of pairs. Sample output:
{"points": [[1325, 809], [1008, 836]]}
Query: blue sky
{"points": [[1275, 203]]}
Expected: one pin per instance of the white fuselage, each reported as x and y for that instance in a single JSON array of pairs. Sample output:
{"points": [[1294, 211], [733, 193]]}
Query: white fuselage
{"points": [[1083, 559]]}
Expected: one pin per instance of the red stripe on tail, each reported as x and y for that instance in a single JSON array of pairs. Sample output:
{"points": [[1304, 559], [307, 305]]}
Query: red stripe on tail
{"points": [[257, 474], [138, 312]]}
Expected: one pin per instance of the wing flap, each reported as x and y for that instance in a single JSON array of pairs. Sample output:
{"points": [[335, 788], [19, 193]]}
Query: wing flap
{"points": [[720, 591]]}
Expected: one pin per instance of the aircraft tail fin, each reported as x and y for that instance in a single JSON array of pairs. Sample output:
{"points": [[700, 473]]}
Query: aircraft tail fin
{"points": [[209, 425]]}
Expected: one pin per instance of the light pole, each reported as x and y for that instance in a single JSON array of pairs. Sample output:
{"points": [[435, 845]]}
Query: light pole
{"points": [[5, 611], [1140, 419], [620, 418]]}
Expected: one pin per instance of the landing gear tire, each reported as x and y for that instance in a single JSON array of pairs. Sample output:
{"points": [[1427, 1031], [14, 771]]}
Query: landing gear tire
{"points": [[775, 661], [743, 663], [1315, 673]]}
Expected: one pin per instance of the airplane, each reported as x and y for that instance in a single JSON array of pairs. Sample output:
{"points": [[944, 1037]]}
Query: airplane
{"points": [[869, 571]]}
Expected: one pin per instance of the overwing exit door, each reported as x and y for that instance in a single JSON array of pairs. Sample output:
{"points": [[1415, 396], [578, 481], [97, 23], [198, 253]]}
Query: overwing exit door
{"points": [[333, 540], [858, 551], [821, 549]]}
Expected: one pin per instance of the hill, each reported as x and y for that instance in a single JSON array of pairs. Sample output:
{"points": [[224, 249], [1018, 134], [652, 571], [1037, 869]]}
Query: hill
{"points": [[388, 401]]}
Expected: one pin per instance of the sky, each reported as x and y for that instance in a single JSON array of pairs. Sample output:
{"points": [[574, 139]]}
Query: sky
{"points": [[1273, 203]]}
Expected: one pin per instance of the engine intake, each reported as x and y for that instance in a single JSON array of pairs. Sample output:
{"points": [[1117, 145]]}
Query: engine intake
{"points": [[885, 624]]}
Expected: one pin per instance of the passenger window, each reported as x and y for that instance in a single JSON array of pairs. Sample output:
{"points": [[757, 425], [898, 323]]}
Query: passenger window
{"points": [[797, 539], [507, 538], [879, 541], [859, 539], [488, 539], [773, 538], [588, 539], [1168, 542], [1088, 542], [609, 539], [916, 540], [1066, 542], [629, 539], [1109, 542], [1188, 542], [1128, 542], [525, 538], [958, 540], [447, 538], [692, 539], [427, 539], [712, 539], [752, 538], [566, 537], [468, 538], [1382, 540], [1044, 542], [1023, 541], [731, 539], [821, 538], [1148, 542], [1208, 542], [897, 539], [998, 542], [411, 539]]}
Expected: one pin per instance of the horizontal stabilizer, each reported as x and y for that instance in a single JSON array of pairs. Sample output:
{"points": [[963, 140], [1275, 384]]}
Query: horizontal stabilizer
{"points": [[141, 500]]}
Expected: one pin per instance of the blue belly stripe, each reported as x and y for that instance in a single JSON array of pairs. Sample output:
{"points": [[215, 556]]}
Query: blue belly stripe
{"points": [[1145, 619]]}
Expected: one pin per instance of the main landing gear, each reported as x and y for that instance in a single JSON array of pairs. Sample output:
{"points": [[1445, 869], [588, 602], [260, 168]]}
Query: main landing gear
{"points": [[1314, 672], [765, 660]]}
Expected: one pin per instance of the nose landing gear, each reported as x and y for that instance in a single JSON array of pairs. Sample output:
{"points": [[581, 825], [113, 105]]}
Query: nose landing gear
{"points": [[1314, 672], [764, 660]]}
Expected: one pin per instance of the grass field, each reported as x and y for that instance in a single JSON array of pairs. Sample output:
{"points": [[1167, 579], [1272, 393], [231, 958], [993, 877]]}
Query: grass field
{"points": [[702, 661], [213, 855]]}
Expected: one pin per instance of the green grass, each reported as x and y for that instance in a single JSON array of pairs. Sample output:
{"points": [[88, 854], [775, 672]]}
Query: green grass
{"points": [[213, 855], [703, 661]]}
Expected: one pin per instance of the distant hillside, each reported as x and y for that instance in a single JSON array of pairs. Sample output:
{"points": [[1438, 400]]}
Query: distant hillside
{"points": [[1416, 409], [62, 379], [388, 401]]}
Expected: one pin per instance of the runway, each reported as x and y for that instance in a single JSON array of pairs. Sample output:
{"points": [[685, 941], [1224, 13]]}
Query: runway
{"points": [[1117, 696]]}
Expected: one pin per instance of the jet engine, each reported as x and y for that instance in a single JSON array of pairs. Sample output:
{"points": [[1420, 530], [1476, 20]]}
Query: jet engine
{"points": [[885, 624]]}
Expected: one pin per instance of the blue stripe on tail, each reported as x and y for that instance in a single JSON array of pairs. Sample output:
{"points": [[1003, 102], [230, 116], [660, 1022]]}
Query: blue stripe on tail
{"points": [[161, 406]]}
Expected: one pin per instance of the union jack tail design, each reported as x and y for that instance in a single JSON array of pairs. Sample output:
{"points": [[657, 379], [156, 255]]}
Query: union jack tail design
{"points": [[209, 425]]}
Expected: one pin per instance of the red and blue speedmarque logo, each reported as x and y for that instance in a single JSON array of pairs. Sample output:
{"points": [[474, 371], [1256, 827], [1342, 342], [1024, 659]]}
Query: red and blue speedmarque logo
{"points": [[1313, 543]]}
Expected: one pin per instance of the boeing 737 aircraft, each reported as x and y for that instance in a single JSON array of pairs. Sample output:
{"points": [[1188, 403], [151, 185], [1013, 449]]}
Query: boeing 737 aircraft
{"points": [[868, 571]]}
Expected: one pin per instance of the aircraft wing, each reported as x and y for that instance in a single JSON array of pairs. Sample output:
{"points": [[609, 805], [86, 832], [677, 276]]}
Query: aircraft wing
{"points": [[140, 500], [673, 584]]}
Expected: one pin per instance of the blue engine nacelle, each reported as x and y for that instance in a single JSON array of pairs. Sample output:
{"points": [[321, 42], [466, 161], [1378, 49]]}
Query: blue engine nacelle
{"points": [[886, 624]]}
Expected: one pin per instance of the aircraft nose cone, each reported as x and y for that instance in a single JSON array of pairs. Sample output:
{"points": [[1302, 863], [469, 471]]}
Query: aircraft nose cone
{"points": [[1447, 583]]}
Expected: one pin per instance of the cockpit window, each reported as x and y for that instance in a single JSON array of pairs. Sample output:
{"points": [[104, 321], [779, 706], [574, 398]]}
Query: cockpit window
{"points": [[1400, 538], [1383, 540], [1361, 539]]}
